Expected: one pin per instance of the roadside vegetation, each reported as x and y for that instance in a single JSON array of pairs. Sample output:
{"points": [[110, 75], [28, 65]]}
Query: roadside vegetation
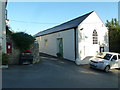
{"points": [[114, 35], [22, 40]]}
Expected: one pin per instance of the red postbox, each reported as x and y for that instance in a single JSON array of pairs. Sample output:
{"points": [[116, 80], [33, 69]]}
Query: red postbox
{"points": [[9, 47]]}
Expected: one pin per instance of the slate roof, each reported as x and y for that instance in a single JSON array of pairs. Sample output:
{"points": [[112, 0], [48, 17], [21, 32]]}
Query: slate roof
{"points": [[67, 25]]}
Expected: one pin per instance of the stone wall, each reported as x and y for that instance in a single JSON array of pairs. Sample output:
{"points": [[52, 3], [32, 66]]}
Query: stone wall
{"points": [[35, 52], [14, 56]]}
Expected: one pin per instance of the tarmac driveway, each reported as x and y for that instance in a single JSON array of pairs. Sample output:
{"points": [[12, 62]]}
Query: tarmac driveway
{"points": [[55, 73]]}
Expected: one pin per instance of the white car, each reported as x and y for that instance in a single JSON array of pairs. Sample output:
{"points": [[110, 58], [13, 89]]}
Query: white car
{"points": [[105, 61]]}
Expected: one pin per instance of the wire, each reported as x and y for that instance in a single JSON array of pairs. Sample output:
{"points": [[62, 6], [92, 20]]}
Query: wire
{"points": [[32, 22], [46, 22]]}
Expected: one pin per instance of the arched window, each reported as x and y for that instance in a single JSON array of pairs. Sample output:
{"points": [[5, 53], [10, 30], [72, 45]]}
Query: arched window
{"points": [[95, 37]]}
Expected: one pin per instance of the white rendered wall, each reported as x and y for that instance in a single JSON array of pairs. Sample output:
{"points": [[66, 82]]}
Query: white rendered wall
{"points": [[0, 23], [2, 26], [0, 42], [51, 48], [2, 36], [85, 40]]}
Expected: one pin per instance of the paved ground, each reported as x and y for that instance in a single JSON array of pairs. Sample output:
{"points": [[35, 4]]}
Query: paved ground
{"points": [[54, 73]]}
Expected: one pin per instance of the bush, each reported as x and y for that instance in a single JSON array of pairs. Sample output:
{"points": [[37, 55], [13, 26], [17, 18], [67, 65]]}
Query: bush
{"points": [[22, 40], [5, 58], [114, 41], [114, 35], [58, 55]]}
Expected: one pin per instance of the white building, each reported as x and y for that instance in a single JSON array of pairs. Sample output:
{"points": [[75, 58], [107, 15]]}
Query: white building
{"points": [[76, 39], [3, 25]]}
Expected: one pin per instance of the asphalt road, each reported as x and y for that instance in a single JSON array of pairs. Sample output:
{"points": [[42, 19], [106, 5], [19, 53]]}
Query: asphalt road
{"points": [[54, 73]]}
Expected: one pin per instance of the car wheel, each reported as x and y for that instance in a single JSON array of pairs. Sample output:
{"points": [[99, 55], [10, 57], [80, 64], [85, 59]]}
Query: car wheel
{"points": [[107, 68]]}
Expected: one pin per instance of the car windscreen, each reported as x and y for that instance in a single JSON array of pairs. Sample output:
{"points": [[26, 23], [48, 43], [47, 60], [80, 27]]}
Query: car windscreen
{"points": [[107, 56], [100, 55]]}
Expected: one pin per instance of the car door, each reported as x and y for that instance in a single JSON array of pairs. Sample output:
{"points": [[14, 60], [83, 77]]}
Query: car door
{"points": [[118, 61], [114, 61]]}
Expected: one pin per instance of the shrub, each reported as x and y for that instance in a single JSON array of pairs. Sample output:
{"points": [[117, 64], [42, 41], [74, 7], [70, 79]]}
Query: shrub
{"points": [[22, 40], [5, 58], [58, 55]]}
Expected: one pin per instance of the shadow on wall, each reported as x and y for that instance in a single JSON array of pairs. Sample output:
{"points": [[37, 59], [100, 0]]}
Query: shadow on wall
{"points": [[80, 51], [80, 39]]}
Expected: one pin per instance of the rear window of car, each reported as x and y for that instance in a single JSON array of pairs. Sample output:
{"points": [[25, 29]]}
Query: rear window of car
{"points": [[115, 57], [118, 56]]}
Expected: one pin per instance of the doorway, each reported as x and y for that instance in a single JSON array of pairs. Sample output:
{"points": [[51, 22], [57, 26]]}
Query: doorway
{"points": [[60, 46], [101, 49]]}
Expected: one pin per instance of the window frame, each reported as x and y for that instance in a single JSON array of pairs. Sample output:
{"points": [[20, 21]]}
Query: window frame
{"points": [[118, 56], [113, 57], [45, 42], [95, 37]]}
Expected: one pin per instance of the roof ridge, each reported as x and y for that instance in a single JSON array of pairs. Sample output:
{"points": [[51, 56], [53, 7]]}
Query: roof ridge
{"points": [[82, 17], [76, 18]]}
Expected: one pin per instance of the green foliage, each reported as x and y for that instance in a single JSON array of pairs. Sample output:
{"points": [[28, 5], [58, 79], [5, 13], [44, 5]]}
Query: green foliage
{"points": [[8, 32], [114, 40], [113, 24], [5, 58], [114, 35], [22, 40]]}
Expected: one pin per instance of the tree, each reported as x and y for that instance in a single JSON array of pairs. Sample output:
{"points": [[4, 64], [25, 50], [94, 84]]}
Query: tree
{"points": [[22, 40], [114, 35], [113, 24]]}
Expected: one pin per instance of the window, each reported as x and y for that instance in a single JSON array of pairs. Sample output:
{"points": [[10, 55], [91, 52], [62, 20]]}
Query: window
{"points": [[95, 37], [5, 14], [114, 57], [118, 56], [46, 42], [107, 56]]}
